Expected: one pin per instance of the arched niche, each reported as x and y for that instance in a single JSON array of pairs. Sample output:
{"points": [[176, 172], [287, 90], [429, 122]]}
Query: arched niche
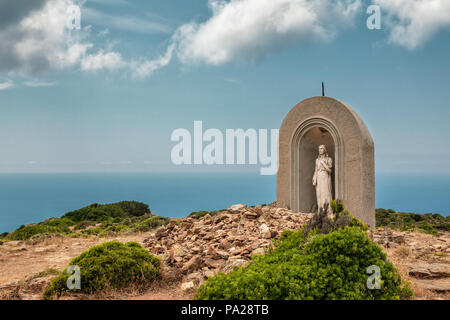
{"points": [[324, 120]]}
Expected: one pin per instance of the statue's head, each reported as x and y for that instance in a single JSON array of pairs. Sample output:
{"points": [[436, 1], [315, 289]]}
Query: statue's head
{"points": [[322, 150]]}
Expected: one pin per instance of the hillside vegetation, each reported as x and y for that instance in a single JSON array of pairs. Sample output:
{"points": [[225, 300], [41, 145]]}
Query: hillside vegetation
{"points": [[94, 220], [110, 265], [427, 223]]}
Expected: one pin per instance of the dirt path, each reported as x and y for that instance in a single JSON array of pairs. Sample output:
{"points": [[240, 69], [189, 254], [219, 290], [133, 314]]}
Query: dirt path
{"points": [[19, 260]]}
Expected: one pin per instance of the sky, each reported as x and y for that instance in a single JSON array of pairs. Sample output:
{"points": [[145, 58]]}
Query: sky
{"points": [[107, 97]]}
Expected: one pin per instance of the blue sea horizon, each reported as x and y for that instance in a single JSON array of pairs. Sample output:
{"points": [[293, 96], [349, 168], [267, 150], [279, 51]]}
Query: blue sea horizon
{"points": [[30, 198]]}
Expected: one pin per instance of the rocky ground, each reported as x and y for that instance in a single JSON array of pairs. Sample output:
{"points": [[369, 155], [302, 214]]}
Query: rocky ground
{"points": [[422, 259], [195, 249]]}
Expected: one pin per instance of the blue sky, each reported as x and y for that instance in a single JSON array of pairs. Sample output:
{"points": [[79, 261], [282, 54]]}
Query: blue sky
{"points": [[114, 106]]}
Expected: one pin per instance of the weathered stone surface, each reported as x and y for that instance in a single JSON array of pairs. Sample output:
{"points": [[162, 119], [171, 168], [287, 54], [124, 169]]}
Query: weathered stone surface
{"points": [[223, 241], [236, 208], [429, 270], [186, 286], [258, 251], [264, 231], [235, 263], [250, 215], [197, 278], [440, 285], [193, 264], [324, 120], [387, 237]]}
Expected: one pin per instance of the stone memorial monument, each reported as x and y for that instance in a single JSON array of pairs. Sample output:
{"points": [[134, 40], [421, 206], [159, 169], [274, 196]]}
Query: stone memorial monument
{"points": [[322, 179], [326, 152]]}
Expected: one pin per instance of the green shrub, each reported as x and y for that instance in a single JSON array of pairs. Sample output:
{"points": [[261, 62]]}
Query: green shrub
{"points": [[426, 228], [27, 232], [111, 265], [151, 223], [113, 230], [337, 206], [323, 223], [103, 212], [311, 266], [427, 223], [110, 219]]}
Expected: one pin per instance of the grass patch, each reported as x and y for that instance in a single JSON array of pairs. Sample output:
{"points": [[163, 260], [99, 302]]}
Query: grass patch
{"points": [[45, 273], [111, 265], [151, 223]]}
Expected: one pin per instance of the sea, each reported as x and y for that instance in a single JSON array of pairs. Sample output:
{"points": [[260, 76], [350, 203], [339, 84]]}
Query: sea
{"points": [[30, 198]]}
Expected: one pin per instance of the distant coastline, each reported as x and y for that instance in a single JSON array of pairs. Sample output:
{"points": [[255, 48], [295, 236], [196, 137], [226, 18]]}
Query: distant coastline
{"points": [[30, 198]]}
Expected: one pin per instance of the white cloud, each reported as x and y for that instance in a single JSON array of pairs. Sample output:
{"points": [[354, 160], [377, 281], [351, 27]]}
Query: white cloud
{"points": [[250, 29], [123, 22], [413, 22], [102, 60], [38, 84], [37, 39], [45, 42], [144, 68], [6, 85]]}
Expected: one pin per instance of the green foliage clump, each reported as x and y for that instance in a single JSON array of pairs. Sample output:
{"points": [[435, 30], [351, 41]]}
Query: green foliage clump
{"points": [[113, 230], [111, 265], [337, 206], [94, 220], [427, 223], [308, 266], [151, 223], [98, 212], [26, 232], [325, 223]]}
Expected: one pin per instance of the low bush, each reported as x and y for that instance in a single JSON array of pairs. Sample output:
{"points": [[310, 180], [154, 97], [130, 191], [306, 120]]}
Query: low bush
{"points": [[327, 259], [26, 232], [104, 212], [94, 220], [311, 266], [151, 223], [111, 265], [427, 223]]}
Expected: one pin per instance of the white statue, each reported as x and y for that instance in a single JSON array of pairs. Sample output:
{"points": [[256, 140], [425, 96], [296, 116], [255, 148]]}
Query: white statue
{"points": [[322, 179]]}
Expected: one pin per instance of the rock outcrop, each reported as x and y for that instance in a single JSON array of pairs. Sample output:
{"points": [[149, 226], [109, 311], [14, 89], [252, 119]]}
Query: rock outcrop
{"points": [[200, 248], [425, 257]]}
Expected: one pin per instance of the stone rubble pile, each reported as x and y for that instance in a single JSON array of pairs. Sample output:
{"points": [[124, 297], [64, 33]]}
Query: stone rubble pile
{"points": [[201, 248]]}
